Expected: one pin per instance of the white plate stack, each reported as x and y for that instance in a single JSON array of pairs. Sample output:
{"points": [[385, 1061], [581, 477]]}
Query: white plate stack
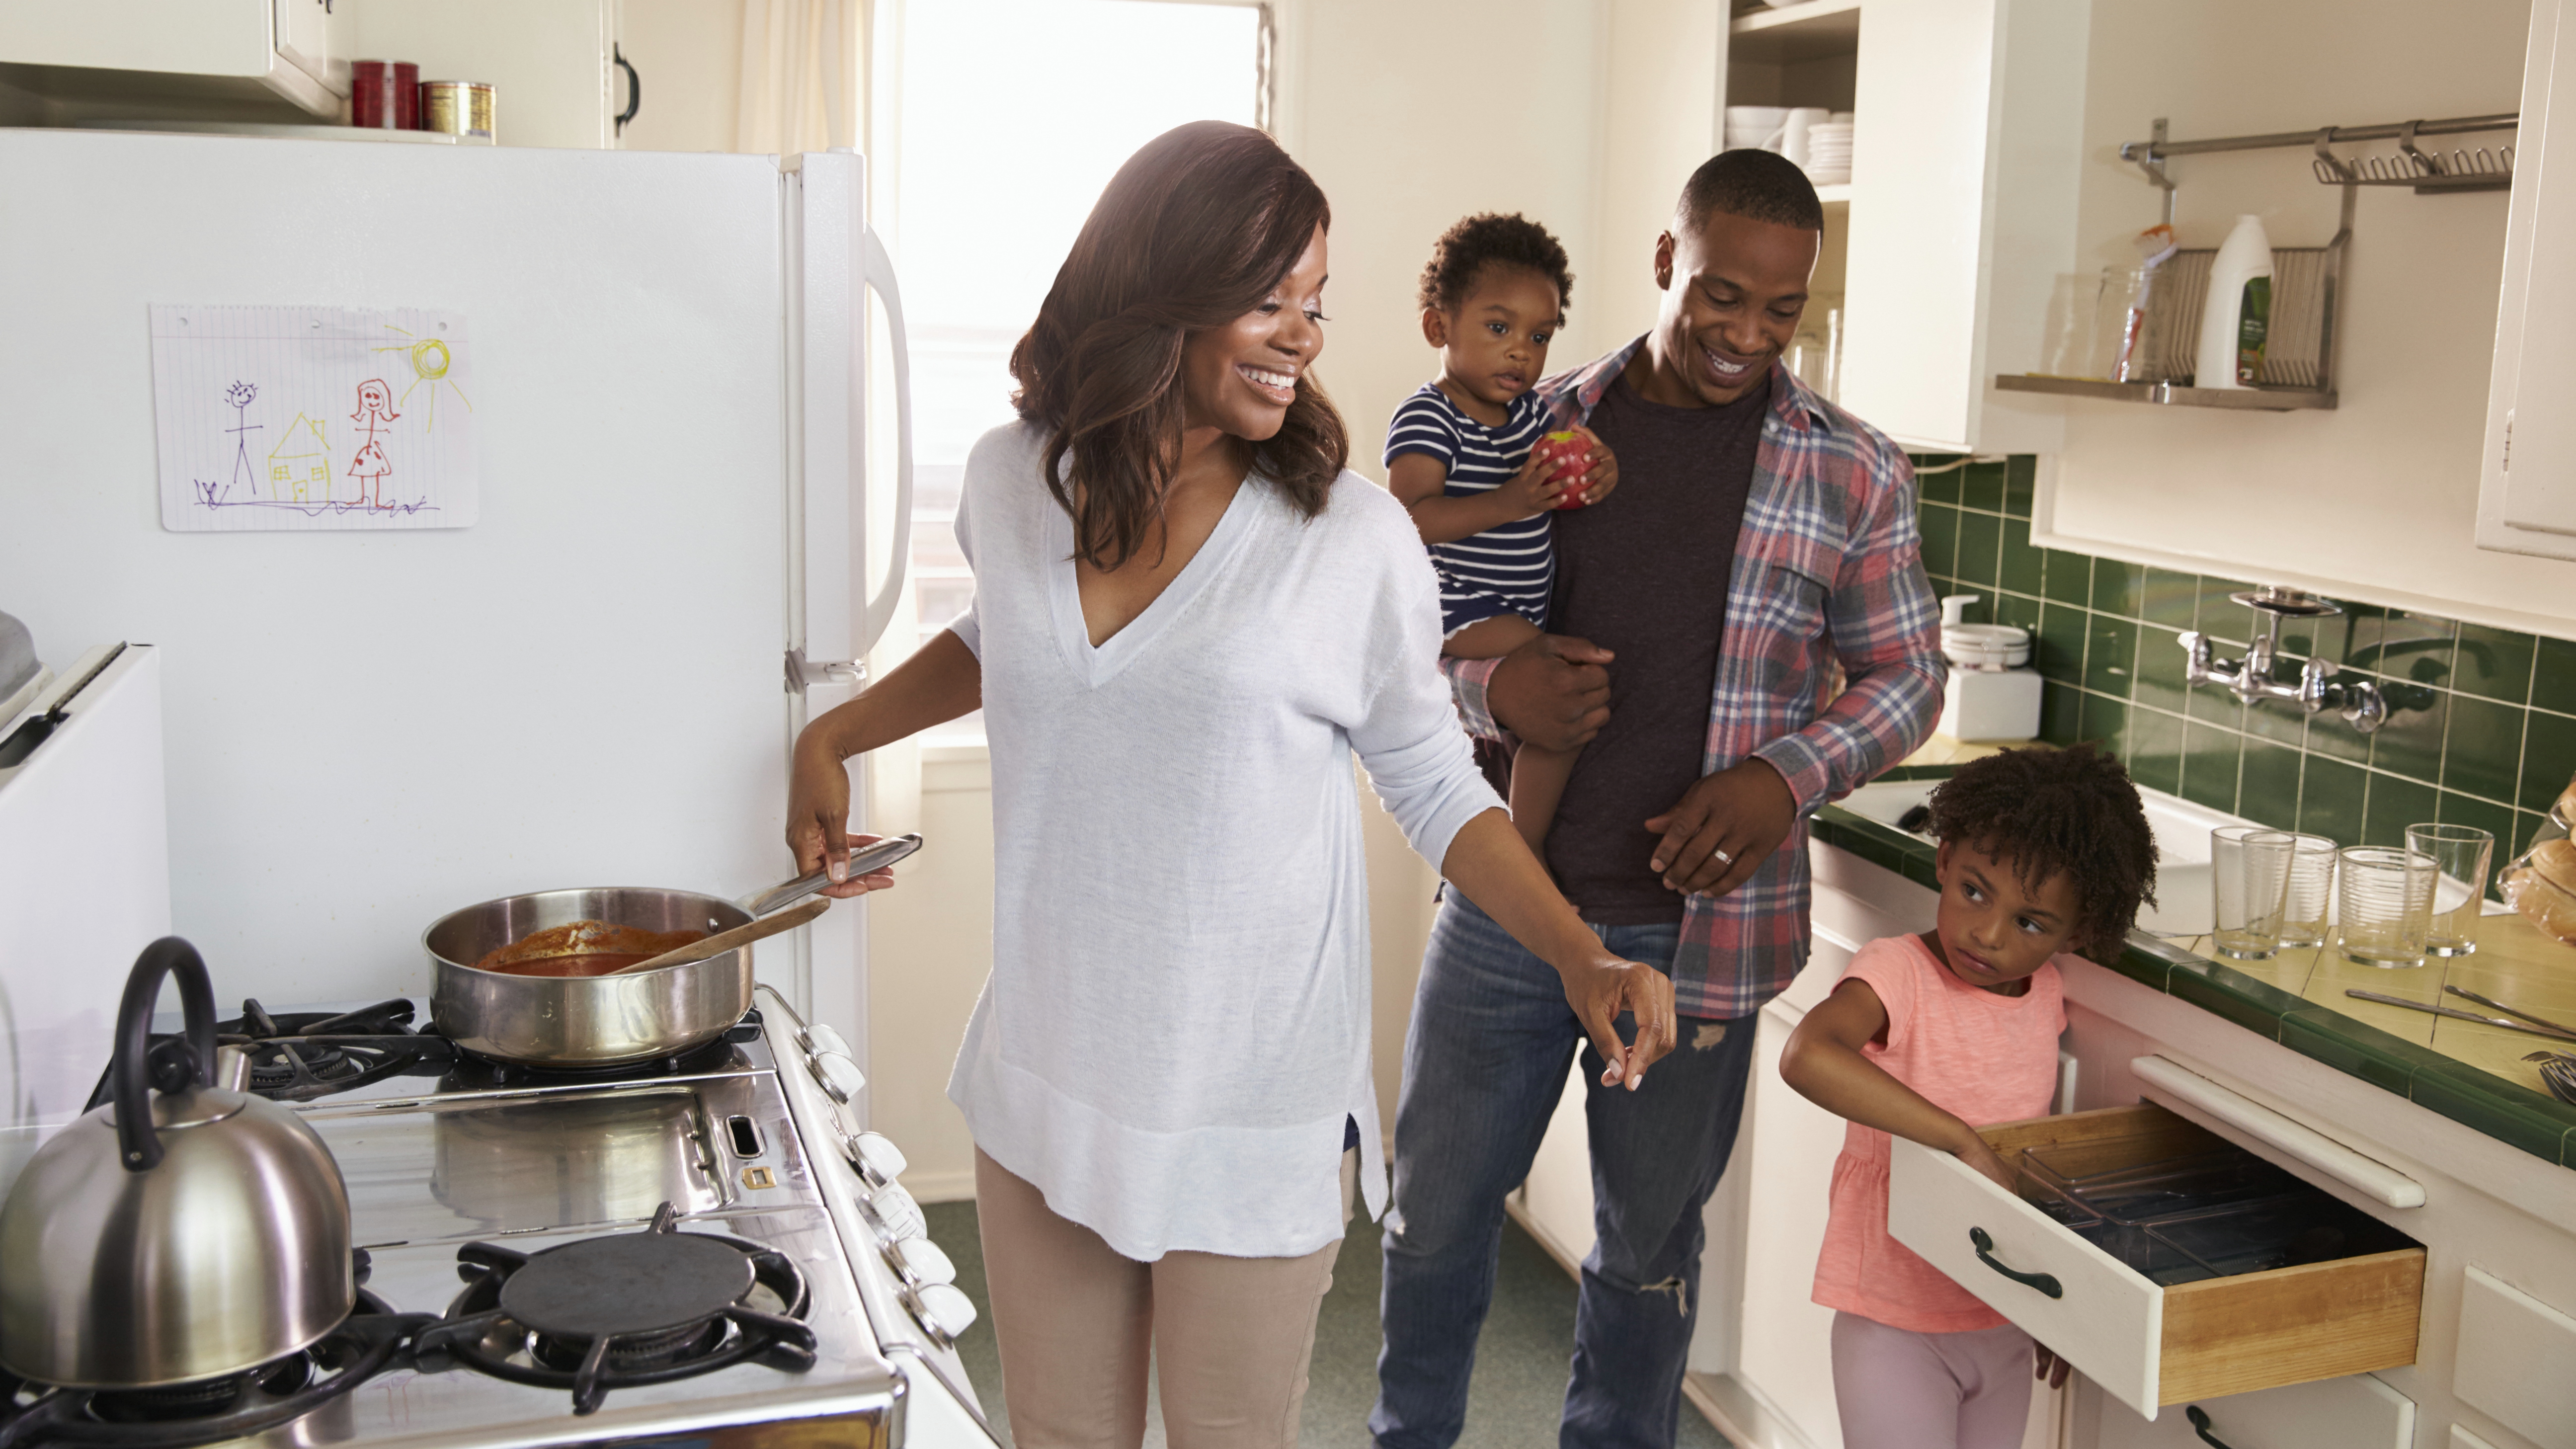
{"points": [[1829, 150]]}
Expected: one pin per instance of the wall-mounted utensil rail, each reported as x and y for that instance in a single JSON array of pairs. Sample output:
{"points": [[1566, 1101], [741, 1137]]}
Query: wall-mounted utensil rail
{"points": [[2425, 171]]}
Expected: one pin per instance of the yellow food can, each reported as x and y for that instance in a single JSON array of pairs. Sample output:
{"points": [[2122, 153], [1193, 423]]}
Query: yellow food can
{"points": [[460, 108]]}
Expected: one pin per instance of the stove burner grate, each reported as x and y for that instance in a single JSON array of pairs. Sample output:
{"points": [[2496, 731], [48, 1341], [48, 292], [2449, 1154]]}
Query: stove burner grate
{"points": [[622, 1311], [371, 1339]]}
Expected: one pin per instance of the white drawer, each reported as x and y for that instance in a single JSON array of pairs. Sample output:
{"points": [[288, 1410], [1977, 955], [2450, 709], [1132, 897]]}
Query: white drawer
{"points": [[2147, 1345], [2358, 1412]]}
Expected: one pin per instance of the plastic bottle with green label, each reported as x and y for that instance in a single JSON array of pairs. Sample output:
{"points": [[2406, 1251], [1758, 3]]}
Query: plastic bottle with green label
{"points": [[2236, 319]]}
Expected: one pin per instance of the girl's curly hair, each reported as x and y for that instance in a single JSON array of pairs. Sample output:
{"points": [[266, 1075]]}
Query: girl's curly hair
{"points": [[1491, 240], [2043, 812]]}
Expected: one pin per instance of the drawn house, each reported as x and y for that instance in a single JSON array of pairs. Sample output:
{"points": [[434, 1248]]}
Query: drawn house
{"points": [[299, 467]]}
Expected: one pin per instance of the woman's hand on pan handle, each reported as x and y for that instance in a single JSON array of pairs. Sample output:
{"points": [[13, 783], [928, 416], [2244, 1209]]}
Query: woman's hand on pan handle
{"points": [[941, 681]]}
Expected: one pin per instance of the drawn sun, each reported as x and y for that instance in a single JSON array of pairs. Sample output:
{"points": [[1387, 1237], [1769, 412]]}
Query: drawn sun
{"points": [[430, 361]]}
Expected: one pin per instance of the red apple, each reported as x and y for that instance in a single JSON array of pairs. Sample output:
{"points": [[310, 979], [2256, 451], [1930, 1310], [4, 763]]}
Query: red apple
{"points": [[1573, 454]]}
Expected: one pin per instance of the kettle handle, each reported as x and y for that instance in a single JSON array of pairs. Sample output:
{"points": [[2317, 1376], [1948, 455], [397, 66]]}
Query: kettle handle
{"points": [[129, 1073]]}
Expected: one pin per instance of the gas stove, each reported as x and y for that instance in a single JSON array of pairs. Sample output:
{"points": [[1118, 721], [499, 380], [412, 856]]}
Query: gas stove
{"points": [[689, 1250]]}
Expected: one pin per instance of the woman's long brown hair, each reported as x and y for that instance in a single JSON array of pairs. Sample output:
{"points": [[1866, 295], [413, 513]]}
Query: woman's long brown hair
{"points": [[1195, 230]]}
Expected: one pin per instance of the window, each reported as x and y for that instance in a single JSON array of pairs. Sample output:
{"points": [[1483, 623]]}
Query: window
{"points": [[1015, 113]]}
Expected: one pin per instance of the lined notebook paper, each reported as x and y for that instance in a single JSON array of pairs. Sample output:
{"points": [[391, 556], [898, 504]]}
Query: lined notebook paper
{"points": [[313, 418]]}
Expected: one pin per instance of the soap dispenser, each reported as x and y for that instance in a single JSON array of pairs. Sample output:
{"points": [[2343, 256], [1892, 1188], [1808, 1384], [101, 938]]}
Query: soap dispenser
{"points": [[1992, 693]]}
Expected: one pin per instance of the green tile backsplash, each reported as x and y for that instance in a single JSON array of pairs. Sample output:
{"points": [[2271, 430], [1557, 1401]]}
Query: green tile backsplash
{"points": [[2483, 729]]}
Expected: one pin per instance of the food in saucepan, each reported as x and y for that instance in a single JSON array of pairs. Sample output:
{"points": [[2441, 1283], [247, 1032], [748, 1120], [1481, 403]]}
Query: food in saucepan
{"points": [[582, 948]]}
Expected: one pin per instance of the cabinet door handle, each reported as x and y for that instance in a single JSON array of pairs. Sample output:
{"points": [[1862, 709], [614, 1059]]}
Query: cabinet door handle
{"points": [[1985, 1245], [2200, 1425]]}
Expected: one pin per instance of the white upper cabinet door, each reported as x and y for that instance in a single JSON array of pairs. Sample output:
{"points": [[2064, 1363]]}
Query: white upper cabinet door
{"points": [[313, 36], [237, 40], [1966, 146], [2527, 480]]}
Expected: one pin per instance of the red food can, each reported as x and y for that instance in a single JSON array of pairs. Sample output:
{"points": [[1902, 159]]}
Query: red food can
{"points": [[371, 94], [406, 96]]}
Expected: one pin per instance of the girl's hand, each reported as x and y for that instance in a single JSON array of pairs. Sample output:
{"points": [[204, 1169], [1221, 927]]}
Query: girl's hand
{"points": [[1603, 475], [1974, 1152], [1535, 489], [2045, 1364]]}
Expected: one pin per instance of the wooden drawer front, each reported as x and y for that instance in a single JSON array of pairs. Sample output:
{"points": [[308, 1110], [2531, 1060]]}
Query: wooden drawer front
{"points": [[2358, 1412], [2149, 1346]]}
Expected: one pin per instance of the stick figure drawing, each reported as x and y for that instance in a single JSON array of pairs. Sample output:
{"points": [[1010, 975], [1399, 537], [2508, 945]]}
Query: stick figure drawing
{"points": [[375, 407], [240, 395]]}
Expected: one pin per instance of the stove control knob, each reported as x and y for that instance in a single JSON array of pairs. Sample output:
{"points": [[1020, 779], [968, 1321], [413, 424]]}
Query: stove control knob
{"points": [[841, 1078], [876, 1155], [944, 1310], [924, 1260], [820, 1039], [898, 1216]]}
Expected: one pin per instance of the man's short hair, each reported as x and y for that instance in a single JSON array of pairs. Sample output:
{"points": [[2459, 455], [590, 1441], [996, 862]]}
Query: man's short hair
{"points": [[1753, 184]]}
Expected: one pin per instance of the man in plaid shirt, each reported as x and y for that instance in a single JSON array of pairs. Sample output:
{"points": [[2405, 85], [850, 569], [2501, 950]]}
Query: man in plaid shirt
{"points": [[1760, 536]]}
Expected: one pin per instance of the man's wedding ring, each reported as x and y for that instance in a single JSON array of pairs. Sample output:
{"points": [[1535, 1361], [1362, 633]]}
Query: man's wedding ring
{"points": [[1722, 857]]}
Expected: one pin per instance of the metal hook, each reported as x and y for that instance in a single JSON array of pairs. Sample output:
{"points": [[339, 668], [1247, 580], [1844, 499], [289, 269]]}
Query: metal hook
{"points": [[2424, 165], [2328, 163]]}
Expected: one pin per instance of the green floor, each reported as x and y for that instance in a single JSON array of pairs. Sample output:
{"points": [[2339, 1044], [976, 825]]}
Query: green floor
{"points": [[1520, 1364]]}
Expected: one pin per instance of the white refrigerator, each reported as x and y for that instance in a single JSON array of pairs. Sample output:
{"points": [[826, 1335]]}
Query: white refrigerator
{"points": [[597, 681]]}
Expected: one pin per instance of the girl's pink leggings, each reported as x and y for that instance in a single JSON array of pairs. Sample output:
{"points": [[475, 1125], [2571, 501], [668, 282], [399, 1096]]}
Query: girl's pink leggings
{"points": [[1902, 1390]]}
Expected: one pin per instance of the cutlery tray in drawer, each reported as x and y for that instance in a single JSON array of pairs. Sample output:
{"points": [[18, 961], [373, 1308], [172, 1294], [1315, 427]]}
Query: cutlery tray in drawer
{"points": [[2073, 1287]]}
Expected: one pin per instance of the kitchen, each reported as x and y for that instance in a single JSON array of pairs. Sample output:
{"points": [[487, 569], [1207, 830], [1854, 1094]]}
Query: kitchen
{"points": [[2106, 527]]}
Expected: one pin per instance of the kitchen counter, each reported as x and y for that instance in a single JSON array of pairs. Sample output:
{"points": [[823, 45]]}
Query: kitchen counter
{"points": [[2470, 1073]]}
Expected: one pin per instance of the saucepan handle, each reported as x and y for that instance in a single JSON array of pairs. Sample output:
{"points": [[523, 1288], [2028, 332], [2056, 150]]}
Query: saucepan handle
{"points": [[138, 1146], [862, 860]]}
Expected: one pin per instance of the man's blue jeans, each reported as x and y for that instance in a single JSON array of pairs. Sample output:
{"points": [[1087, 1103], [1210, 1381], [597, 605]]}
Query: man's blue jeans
{"points": [[1484, 1065]]}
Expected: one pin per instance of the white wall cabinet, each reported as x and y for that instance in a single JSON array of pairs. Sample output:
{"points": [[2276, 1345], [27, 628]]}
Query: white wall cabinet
{"points": [[2527, 479], [1966, 151], [97, 58]]}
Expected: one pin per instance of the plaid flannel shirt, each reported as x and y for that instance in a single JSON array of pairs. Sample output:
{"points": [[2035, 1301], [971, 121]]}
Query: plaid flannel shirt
{"points": [[1828, 560]]}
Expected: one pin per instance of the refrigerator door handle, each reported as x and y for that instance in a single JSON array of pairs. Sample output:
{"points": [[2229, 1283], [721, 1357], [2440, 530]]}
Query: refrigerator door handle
{"points": [[876, 273]]}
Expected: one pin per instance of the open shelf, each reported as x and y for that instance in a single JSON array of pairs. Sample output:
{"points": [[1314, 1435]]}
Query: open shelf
{"points": [[1838, 194], [2243, 399], [1792, 33]]}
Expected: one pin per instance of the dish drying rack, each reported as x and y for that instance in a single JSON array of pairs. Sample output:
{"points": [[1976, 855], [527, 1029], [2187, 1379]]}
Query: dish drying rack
{"points": [[2298, 362]]}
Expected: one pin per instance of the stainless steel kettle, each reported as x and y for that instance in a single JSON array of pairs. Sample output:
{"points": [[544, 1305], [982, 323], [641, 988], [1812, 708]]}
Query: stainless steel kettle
{"points": [[184, 1231]]}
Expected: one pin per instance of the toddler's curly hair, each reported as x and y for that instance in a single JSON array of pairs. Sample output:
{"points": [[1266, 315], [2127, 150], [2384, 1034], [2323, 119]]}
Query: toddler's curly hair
{"points": [[2043, 812], [1490, 239]]}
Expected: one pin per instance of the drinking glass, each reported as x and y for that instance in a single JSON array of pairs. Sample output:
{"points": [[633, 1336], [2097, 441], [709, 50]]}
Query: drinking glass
{"points": [[2461, 853], [2309, 912], [2249, 874], [2384, 904]]}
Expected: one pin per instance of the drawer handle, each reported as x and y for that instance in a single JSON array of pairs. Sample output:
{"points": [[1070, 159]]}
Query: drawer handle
{"points": [[2200, 1425], [1985, 1245]]}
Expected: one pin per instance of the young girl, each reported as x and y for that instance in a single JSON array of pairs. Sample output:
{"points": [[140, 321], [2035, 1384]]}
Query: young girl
{"points": [[1460, 457], [1931, 1036]]}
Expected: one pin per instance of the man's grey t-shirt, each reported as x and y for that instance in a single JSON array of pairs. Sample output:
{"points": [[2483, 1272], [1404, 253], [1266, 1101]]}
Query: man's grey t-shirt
{"points": [[1644, 575]]}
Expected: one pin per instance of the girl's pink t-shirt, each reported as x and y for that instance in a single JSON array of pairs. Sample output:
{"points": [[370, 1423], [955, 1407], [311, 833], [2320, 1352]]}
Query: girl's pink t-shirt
{"points": [[1983, 1058]]}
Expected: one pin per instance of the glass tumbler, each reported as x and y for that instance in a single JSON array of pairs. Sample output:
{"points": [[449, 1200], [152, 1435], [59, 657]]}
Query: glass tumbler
{"points": [[2384, 905], [2249, 875], [2461, 855], [2309, 913]]}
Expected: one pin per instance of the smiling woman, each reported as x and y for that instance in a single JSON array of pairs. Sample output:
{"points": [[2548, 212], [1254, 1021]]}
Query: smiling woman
{"points": [[1188, 618]]}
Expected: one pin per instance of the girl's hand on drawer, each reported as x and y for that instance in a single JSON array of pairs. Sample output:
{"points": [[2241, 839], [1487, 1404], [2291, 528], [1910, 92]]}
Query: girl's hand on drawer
{"points": [[1973, 1151], [2047, 1365]]}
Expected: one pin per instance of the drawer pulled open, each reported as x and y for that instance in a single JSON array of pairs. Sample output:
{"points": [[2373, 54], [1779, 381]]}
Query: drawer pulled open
{"points": [[2146, 1344]]}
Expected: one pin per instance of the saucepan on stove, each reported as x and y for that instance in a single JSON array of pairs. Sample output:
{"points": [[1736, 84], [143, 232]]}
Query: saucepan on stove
{"points": [[520, 979]]}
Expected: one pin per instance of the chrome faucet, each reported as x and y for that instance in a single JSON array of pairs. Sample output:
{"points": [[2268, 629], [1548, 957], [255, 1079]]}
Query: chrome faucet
{"points": [[2250, 679]]}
